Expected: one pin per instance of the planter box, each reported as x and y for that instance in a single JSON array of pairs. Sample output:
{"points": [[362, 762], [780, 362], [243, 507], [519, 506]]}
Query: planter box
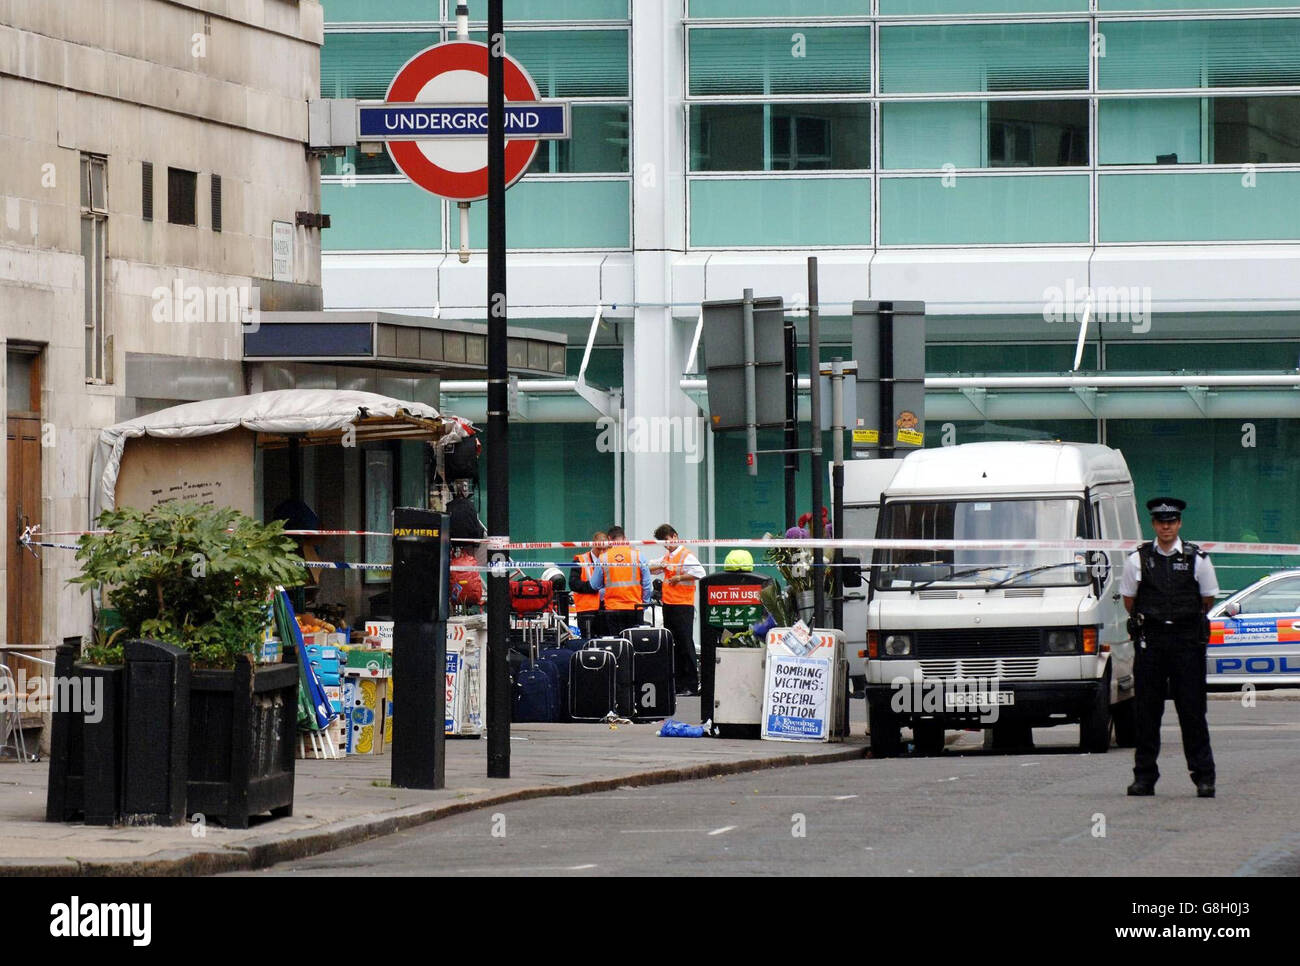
{"points": [[243, 730], [738, 691], [86, 755]]}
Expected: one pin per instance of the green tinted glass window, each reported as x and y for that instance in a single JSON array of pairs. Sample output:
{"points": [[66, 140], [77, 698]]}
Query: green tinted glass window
{"points": [[560, 484], [379, 11], [599, 143], [779, 8], [984, 57], [780, 60], [985, 134], [552, 9], [1113, 5], [983, 358], [561, 214], [982, 210], [1164, 54], [780, 137], [412, 217], [1214, 206], [970, 431], [571, 63], [1233, 492], [941, 7], [774, 212], [362, 65], [1216, 130], [1202, 356]]}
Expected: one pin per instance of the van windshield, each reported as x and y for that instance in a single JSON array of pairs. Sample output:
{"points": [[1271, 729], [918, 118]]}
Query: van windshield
{"points": [[1060, 519]]}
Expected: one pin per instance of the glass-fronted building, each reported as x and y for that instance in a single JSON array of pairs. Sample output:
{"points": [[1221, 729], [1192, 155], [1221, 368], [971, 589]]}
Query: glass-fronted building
{"points": [[1008, 162]]}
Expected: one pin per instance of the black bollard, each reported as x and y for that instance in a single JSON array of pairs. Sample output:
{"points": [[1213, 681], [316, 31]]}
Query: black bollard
{"points": [[420, 606]]}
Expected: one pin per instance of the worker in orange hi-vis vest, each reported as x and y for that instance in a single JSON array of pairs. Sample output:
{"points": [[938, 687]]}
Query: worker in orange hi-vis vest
{"points": [[625, 578], [588, 602], [681, 570]]}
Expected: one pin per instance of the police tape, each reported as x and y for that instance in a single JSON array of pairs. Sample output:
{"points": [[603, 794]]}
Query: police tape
{"points": [[809, 543]]}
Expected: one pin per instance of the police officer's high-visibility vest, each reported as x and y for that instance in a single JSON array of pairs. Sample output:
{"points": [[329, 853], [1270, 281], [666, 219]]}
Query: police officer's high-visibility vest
{"points": [[586, 602], [622, 578], [683, 593]]}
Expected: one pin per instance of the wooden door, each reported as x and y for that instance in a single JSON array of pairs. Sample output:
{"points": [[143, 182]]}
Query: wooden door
{"points": [[23, 458]]}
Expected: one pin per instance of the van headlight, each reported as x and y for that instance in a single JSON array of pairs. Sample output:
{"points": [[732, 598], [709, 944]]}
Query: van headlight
{"points": [[898, 645], [1063, 642]]}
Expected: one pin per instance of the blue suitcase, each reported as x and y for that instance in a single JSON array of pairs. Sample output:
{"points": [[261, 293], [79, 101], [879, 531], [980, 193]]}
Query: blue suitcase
{"points": [[535, 699], [556, 660]]}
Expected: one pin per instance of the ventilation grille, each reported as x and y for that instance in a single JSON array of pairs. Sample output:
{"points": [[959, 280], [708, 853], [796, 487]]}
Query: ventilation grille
{"points": [[216, 202], [146, 191]]}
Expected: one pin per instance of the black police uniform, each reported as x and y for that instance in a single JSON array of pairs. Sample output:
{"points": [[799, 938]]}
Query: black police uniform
{"points": [[1171, 654]]}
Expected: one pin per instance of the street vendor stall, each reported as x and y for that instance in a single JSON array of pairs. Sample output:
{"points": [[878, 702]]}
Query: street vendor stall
{"points": [[331, 460]]}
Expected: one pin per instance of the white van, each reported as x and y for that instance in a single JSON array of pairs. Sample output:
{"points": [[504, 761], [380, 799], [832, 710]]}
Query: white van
{"points": [[864, 482], [999, 640]]}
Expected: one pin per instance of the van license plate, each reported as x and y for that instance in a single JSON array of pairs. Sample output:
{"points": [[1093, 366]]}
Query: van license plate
{"points": [[979, 699]]}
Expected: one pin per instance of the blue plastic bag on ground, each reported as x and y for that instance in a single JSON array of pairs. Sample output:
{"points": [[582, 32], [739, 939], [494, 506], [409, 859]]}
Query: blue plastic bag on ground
{"points": [[680, 729]]}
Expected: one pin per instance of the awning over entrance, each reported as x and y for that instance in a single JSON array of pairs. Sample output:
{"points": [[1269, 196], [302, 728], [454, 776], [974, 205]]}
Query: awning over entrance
{"points": [[452, 349]]}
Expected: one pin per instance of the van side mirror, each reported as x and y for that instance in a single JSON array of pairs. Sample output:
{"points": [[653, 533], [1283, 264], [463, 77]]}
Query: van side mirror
{"points": [[851, 575]]}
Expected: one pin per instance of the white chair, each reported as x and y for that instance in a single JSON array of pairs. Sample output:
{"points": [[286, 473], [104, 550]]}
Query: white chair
{"points": [[11, 714]]}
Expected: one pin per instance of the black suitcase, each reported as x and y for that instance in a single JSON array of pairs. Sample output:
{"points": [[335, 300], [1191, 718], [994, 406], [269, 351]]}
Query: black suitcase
{"points": [[593, 684], [654, 689], [621, 648]]}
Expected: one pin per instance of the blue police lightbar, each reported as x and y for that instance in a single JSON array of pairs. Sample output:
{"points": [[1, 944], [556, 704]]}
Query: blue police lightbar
{"points": [[533, 120]]}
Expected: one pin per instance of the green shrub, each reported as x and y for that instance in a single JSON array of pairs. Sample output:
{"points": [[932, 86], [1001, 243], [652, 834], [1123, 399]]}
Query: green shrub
{"points": [[195, 576]]}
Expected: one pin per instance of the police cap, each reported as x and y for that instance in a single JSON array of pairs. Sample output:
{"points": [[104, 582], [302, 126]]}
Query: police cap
{"points": [[1166, 508]]}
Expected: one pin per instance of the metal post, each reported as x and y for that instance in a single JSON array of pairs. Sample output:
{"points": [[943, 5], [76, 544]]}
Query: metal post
{"points": [[751, 407], [886, 334], [814, 378], [791, 425], [498, 429], [837, 482], [462, 33]]}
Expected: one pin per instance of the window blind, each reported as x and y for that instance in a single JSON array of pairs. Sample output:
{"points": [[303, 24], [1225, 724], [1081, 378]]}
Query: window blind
{"points": [[780, 60], [984, 57], [1163, 54]]}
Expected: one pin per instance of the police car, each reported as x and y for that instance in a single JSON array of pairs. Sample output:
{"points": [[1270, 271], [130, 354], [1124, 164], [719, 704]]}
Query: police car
{"points": [[1255, 634]]}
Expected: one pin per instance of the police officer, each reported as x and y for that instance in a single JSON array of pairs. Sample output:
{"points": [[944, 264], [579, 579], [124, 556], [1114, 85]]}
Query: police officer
{"points": [[1168, 585]]}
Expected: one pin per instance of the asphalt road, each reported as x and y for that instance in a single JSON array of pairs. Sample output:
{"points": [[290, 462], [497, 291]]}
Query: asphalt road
{"points": [[1046, 812]]}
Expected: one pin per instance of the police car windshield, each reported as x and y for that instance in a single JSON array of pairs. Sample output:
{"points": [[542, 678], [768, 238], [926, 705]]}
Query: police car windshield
{"points": [[1005, 519]]}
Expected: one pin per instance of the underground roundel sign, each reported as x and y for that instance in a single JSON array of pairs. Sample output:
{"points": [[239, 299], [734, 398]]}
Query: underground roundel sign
{"points": [[455, 73]]}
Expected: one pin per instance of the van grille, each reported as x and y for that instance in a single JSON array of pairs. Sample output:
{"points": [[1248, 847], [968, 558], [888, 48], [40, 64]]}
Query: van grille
{"points": [[1005, 669], [979, 642]]}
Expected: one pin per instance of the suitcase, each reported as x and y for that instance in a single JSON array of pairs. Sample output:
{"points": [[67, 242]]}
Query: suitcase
{"points": [[536, 694], [593, 684], [654, 686], [557, 659], [621, 648], [535, 698]]}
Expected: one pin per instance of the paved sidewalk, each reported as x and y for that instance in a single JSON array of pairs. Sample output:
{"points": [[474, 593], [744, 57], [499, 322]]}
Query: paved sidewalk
{"points": [[341, 802]]}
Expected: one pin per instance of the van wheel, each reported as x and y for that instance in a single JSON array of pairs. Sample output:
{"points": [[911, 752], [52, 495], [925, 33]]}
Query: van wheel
{"points": [[883, 726], [1094, 729], [1123, 717], [928, 738]]}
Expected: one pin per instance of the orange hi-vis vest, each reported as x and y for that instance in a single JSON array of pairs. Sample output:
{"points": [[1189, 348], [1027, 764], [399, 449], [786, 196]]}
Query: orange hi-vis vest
{"points": [[683, 593], [622, 578], [583, 603]]}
